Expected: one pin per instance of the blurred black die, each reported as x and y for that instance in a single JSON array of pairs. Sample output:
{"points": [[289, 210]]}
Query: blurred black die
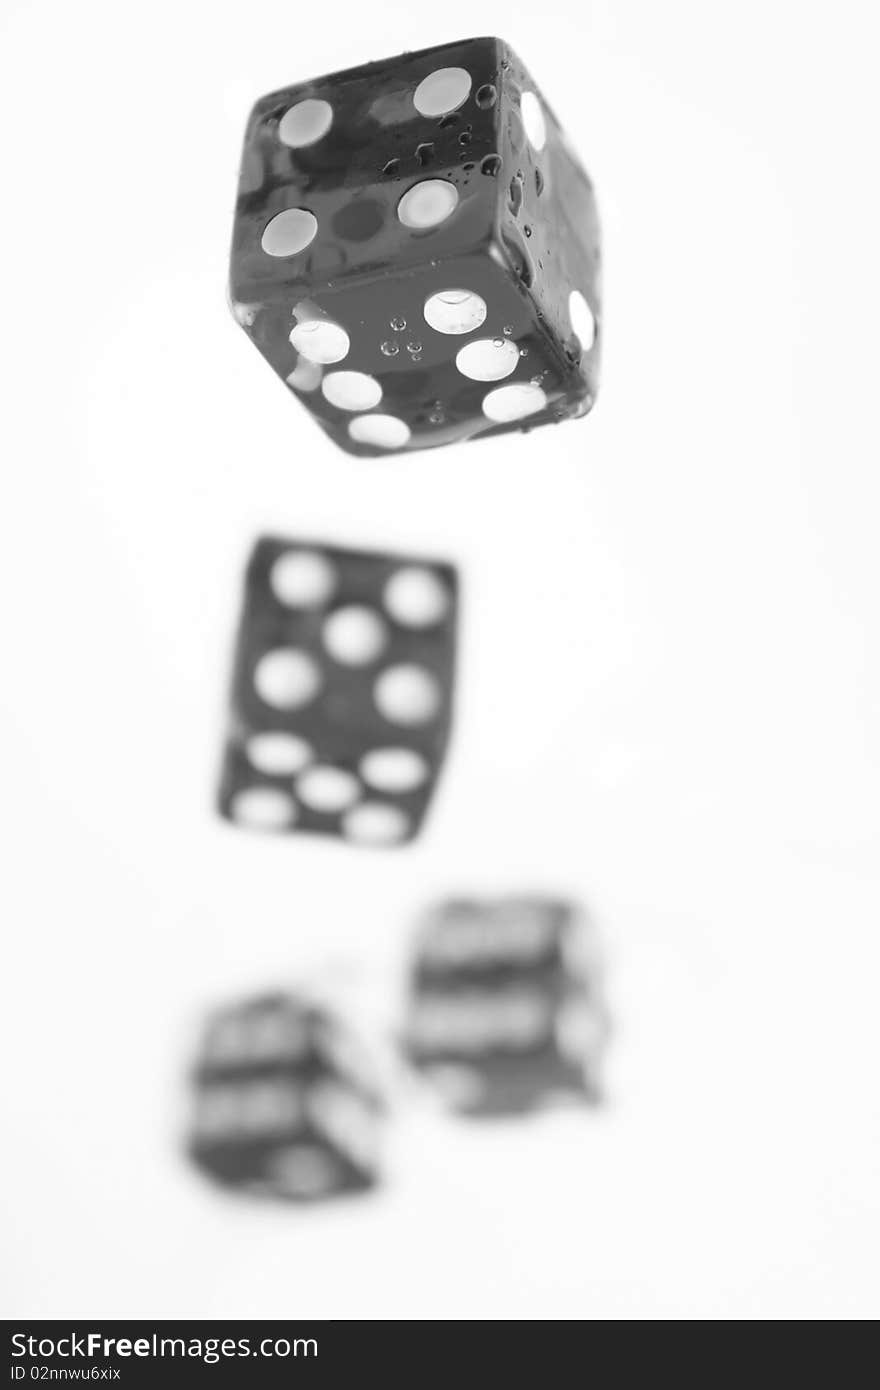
{"points": [[341, 693], [416, 250], [281, 1104], [505, 1010]]}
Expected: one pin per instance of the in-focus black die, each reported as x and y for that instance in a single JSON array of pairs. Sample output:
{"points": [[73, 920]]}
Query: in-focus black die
{"points": [[341, 692], [504, 1008], [416, 250], [281, 1103]]}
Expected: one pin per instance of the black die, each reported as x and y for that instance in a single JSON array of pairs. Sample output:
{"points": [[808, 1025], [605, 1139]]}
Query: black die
{"points": [[281, 1104], [341, 692], [504, 1008], [416, 250]]}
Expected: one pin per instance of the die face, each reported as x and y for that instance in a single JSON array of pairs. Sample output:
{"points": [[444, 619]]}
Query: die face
{"points": [[431, 386], [398, 337], [549, 226], [341, 693], [503, 1015], [271, 1114], [352, 178]]}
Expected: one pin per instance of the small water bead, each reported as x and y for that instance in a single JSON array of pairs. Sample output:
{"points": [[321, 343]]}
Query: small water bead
{"points": [[464, 138], [508, 329], [414, 347], [515, 194], [389, 348], [486, 96], [527, 231], [398, 324], [539, 182], [523, 352], [491, 165]]}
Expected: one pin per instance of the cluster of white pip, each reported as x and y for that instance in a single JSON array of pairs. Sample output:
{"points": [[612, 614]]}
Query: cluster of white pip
{"points": [[322, 343], [288, 678]]}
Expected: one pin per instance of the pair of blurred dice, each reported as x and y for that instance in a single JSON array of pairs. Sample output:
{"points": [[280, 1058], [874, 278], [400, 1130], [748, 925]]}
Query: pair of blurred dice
{"points": [[504, 1015]]}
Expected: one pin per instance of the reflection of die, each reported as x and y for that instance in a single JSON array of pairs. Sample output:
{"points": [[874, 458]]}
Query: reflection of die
{"points": [[416, 250], [342, 692], [282, 1103], [504, 1009]]}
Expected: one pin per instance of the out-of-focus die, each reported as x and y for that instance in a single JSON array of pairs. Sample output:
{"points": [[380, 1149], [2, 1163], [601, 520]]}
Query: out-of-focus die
{"points": [[505, 1010], [341, 693], [281, 1102], [416, 250]]}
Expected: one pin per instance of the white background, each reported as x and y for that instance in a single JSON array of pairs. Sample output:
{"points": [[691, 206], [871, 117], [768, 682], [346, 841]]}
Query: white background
{"points": [[669, 678]]}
